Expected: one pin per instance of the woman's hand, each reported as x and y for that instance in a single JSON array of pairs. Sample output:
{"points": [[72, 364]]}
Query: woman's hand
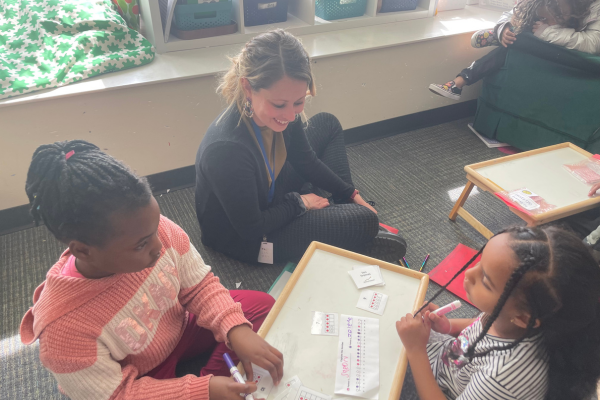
{"points": [[251, 348], [414, 331], [224, 388], [594, 189], [438, 324], [314, 202], [507, 36], [359, 200]]}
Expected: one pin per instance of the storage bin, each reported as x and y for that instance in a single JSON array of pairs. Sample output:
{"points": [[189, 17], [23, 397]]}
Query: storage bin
{"points": [[262, 12], [338, 9], [205, 32], [188, 17], [398, 5]]}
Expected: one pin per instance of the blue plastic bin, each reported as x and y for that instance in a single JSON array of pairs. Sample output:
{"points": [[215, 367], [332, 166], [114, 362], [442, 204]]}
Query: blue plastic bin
{"points": [[262, 12], [398, 5], [189, 17], [339, 9]]}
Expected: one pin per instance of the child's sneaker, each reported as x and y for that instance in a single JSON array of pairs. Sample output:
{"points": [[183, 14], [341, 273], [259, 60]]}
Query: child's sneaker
{"points": [[448, 90], [484, 38]]}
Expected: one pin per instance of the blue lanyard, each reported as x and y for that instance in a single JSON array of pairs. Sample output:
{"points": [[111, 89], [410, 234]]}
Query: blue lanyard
{"points": [[264, 153]]}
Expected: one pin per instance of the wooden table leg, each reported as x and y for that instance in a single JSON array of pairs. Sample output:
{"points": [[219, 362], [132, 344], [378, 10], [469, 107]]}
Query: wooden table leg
{"points": [[471, 220], [461, 200]]}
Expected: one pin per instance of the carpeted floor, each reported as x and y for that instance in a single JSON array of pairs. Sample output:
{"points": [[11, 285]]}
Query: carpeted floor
{"points": [[414, 178]]}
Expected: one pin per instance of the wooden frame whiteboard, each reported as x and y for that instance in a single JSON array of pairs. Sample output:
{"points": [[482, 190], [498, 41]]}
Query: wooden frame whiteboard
{"points": [[287, 327], [554, 170]]}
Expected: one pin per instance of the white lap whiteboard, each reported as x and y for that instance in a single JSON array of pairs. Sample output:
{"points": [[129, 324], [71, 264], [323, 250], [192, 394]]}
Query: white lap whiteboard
{"points": [[321, 283], [542, 171]]}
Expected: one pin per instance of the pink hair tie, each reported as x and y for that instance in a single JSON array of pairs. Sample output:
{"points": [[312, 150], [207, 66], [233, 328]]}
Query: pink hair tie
{"points": [[69, 154]]}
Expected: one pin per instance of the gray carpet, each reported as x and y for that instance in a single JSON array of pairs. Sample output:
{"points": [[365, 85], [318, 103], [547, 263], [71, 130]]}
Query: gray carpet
{"points": [[411, 177]]}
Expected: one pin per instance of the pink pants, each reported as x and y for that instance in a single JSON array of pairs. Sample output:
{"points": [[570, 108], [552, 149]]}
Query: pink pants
{"points": [[196, 340]]}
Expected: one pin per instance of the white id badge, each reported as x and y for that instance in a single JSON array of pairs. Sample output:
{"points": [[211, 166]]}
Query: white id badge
{"points": [[265, 255]]}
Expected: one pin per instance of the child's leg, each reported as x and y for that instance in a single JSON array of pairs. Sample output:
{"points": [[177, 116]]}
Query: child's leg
{"points": [[256, 306], [486, 65], [197, 340], [194, 341], [481, 68]]}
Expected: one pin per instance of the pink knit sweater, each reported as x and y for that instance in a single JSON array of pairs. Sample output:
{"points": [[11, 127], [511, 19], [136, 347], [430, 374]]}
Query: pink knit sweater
{"points": [[99, 336]]}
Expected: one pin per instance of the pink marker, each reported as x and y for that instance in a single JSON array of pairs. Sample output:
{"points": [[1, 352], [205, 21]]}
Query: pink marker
{"points": [[447, 308]]}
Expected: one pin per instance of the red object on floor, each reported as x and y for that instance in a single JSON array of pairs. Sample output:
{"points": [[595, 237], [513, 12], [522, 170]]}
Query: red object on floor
{"points": [[389, 228], [450, 266], [508, 150]]}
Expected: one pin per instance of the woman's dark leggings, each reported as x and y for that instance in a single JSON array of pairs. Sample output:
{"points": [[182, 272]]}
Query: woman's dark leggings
{"points": [[349, 226]]}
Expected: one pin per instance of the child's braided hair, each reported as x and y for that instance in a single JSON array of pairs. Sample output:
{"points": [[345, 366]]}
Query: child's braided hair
{"points": [[557, 282], [525, 13], [73, 187]]}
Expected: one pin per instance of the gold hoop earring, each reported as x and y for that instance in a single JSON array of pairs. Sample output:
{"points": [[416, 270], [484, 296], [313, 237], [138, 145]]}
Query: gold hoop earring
{"points": [[248, 110], [512, 321]]}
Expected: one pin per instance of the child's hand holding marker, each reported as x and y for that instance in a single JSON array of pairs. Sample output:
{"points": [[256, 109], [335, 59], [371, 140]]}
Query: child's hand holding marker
{"points": [[225, 388], [439, 322], [414, 332], [251, 348]]}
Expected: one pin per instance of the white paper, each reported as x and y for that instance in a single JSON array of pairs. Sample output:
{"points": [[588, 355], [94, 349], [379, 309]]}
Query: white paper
{"points": [[263, 381], [378, 271], [324, 323], [357, 372], [372, 301], [291, 387], [285, 394], [366, 276], [265, 255], [523, 200], [305, 393], [293, 381]]}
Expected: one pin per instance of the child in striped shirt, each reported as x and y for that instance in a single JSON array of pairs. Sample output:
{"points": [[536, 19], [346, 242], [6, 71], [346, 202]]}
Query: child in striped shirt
{"points": [[538, 336], [131, 296]]}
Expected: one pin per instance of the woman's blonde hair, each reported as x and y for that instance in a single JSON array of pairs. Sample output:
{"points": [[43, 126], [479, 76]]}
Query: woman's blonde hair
{"points": [[263, 61]]}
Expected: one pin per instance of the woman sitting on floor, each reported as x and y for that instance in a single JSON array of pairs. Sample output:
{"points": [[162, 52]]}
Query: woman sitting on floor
{"points": [[261, 172]]}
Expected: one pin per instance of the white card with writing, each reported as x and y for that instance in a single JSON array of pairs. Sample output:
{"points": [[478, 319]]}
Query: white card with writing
{"points": [[366, 276], [293, 381], [305, 393], [357, 371], [290, 388], [263, 381], [324, 323], [265, 255], [372, 301], [378, 270]]}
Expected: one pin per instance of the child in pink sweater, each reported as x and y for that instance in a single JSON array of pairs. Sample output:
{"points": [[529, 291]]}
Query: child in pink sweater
{"points": [[131, 296]]}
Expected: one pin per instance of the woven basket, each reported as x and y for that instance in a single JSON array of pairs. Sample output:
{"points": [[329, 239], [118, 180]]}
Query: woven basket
{"points": [[339, 9]]}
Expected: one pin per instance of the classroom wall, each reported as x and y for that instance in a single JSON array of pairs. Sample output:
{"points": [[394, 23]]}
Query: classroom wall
{"points": [[158, 127]]}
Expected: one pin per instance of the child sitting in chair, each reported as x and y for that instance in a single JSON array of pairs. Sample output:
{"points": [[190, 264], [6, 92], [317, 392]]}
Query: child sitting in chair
{"points": [[574, 24]]}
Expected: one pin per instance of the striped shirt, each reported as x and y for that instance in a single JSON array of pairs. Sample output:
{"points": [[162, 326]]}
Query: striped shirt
{"points": [[516, 374]]}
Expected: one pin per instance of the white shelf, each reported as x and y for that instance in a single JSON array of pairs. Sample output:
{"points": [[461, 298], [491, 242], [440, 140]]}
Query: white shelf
{"points": [[209, 61], [301, 21]]}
